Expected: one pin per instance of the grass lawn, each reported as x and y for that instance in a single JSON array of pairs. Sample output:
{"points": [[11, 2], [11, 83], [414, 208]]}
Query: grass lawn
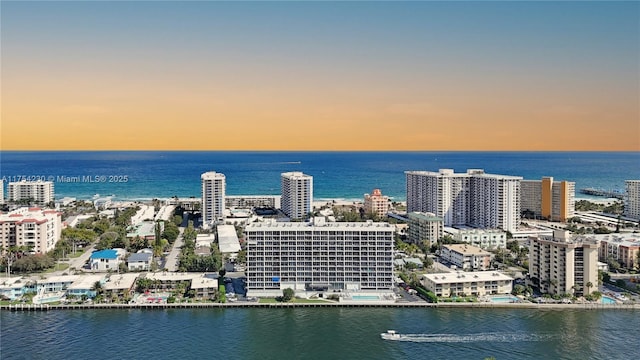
{"points": [[9, 302], [77, 254], [57, 267]]}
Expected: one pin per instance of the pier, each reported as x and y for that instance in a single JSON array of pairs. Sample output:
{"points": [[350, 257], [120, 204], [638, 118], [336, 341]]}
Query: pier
{"points": [[603, 193]]}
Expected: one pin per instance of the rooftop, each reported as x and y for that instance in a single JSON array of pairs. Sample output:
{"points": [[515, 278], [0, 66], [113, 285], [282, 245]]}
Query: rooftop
{"points": [[447, 278], [121, 281], [137, 257], [86, 282], [320, 223], [203, 282], [110, 254], [228, 239], [466, 249]]}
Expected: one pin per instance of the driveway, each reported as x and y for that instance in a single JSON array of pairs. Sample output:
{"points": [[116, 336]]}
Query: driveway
{"points": [[171, 262]]}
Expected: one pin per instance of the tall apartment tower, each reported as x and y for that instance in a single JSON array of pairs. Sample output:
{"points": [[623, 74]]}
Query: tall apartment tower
{"points": [[632, 199], [563, 264], [297, 194], [1, 191], [213, 197], [548, 199], [494, 201], [443, 193], [40, 192], [376, 203], [473, 198]]}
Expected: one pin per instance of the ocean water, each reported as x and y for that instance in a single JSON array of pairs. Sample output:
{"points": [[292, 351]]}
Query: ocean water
{"points": [[320, 333], [337, 175]]}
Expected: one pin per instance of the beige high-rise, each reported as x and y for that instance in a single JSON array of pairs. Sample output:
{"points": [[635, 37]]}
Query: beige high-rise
{"points": [[564, 264]]}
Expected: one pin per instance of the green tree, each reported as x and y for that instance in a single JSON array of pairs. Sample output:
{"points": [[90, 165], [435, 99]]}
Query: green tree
{"points": [[287, 294], [589, 286], [221, 296], [98, 288]]}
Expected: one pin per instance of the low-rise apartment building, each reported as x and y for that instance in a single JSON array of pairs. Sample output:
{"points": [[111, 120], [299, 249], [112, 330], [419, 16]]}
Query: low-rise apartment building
{"points": [[466, 257], [490, 239], [622, 247], [477, 283]]}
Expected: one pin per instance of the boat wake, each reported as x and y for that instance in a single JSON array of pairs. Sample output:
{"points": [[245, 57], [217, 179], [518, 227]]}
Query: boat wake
{"points": [[468, 338]]}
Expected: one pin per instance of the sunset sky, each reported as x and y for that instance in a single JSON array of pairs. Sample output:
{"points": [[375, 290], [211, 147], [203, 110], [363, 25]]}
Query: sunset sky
{"points": [[210, 75]]}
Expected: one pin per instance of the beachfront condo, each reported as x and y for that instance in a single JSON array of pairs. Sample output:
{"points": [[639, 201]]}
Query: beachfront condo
{"points": [[474, 198], [213, 195], [297, 194], [632, 199], [548, 199], [39, 192]]}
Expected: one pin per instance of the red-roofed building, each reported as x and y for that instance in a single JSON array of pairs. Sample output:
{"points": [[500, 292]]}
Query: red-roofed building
{"points": [[31, 227]]}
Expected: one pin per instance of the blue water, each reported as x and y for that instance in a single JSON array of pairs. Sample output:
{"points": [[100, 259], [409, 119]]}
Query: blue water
{"points": [[320, 333], [608, 300], [346, 175]]}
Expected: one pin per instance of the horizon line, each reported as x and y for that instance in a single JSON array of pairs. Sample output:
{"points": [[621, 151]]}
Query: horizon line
{"points": [[304, 151]]}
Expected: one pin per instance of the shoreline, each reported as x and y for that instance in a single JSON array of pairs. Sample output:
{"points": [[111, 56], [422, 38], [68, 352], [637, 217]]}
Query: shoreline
{"points": [[46, 307]]}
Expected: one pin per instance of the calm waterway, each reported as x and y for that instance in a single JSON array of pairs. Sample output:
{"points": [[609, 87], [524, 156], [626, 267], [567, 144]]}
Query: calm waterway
{"points": [[320, 333]]}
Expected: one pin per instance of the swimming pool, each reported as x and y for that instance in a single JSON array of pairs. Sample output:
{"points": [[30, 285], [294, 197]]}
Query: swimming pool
{"points": [[607, 300], [503, 299], [365, 297]]}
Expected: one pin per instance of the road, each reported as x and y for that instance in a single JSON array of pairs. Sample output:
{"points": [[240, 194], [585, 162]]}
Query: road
{"points": [[171, 262]]}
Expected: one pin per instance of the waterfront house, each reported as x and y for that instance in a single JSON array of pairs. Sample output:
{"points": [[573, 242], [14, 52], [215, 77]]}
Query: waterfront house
{"points": [[11, 288], [105, 260], [140, 261], [85, 285]]}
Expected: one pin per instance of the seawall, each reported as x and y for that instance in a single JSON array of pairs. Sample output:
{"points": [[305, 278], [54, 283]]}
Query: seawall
{"points": [[46, 307]]}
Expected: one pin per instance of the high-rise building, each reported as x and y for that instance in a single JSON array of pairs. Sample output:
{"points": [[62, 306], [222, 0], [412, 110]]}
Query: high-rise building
{"points": [[424, 228], [1, 191], [376, 203], [473, 198], [38, 230], [213, 197], [632, 199], [562, 264], [318, 256], [548, 199], [297, 194], [39, 192]]}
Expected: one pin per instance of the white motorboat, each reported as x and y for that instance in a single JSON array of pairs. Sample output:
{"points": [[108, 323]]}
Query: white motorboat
{"points": [[390, 335]]}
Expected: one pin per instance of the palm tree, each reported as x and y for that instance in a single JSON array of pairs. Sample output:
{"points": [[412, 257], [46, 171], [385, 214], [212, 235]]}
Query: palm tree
{"points": [[589, 286], [97, 287]]}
